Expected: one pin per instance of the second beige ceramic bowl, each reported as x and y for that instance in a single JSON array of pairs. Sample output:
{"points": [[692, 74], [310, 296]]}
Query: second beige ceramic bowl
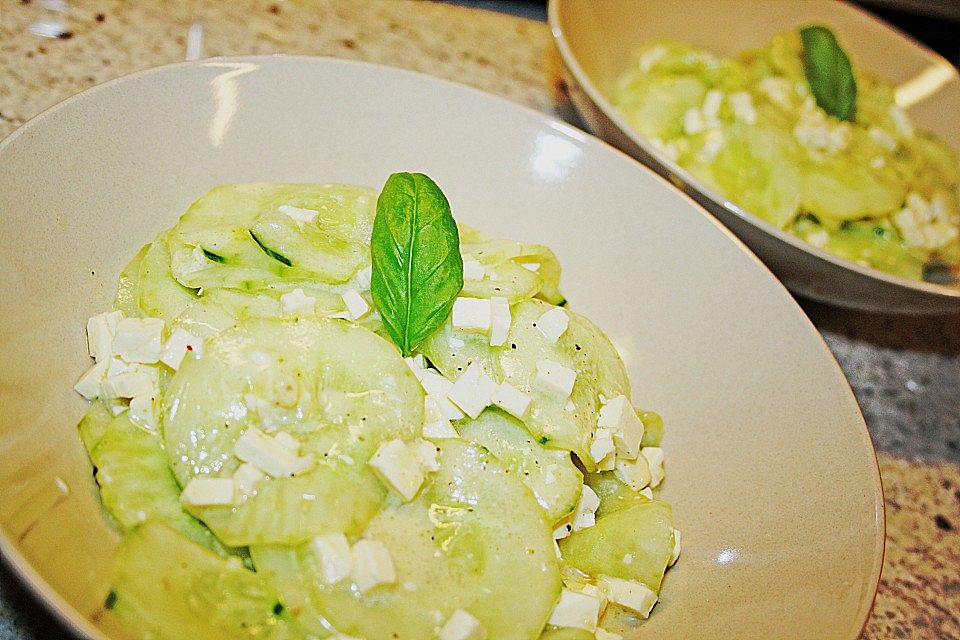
{"points": [[598, 38], [770, 467]]}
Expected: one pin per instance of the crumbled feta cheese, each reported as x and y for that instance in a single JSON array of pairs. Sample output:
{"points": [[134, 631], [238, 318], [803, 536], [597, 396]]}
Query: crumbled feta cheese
{"points": [[141, 410], [287, 440], [602, 446], [89, 384], [577, 610], [925, 224], [821, 135], [202, 492], [563, 529], [713, 143], [362, 279], [177, 346], [333, 555], [101, 330], [584, 514], [619, 416], [268, 455], [633, 473], [297, 301], [462, 626], [197, 262], [649, 58], [553, 324], [882, 138], [436, 424], [635, 596], [139, 339], [499, 321], [299, 215], [127, 385], [416, 365], [676, 548], [473, 269], [472, 314], [473, 391], [531, 266], [668, 149], [711, 107], [398, 467], [901, 121], [438, 387], [742, 104], [818, 238], [647, 493], [372, 565], [554, 379], [357, 307], [426, 454], [654, 456], [693, 122], [777, 90], [511, 400], [246, 478], [117, 366]]}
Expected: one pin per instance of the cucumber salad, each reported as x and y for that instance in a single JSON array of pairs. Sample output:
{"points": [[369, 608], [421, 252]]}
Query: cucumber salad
{"points": [[322, 412], [795, 135]]}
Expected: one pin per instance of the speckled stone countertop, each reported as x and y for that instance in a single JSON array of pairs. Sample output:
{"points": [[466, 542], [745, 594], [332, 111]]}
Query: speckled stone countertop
{"points": [[904, 371]]}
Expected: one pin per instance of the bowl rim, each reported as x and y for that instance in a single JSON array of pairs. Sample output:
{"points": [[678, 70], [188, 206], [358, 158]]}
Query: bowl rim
{"points": [[80, 625], [690, 181]]}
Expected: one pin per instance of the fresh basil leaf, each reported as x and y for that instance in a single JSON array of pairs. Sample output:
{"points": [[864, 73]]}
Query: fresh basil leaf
{"points": [[829, 72], [415, 252]]}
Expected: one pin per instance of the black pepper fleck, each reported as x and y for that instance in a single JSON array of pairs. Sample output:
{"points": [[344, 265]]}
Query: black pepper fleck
{"points": [[100, 17], [66, 35], [942, 523]]}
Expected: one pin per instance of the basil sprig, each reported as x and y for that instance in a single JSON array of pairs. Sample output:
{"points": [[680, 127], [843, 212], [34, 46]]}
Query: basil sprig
{"points": [[415, 251], [829, 72]]}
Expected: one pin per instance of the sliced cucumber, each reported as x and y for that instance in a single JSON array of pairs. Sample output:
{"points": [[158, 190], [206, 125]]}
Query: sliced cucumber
{"points": [[127, 299], [475, 539], [339, 388], [633, 543], [566, 633], [613, 494], [94, 424], [507, 277], [451, 352], [161, 296], [170, 588], [136, 484], [550, 473]]}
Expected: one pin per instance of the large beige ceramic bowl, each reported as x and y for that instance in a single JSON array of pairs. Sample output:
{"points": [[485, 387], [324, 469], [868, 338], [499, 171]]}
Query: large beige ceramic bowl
{"points": [[598, 38], [770, 467]]}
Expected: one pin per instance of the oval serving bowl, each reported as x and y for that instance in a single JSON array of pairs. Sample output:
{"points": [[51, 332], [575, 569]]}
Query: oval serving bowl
{"points": [[770, 467], [597, 40]]}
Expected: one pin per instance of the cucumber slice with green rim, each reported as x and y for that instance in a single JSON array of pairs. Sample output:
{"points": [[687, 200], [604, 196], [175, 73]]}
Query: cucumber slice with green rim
{"points": [[550, 473], [161, 296], [475, 539], [633, 543], [337, 387], [136, 483], [94, 424], [170, 588]]}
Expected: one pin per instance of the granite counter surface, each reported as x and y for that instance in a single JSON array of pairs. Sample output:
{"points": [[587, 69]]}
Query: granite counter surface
{"points": [[905, 371]]}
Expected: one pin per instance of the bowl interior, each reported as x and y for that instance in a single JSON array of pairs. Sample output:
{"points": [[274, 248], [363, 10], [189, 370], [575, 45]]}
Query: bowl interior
{"points": [[598, 39], [770, 468]]}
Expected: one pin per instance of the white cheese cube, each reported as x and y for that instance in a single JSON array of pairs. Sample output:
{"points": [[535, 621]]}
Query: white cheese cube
{"points": [[511, 400], [553, 324], [608, 463], [654, 457], [473, 391], [554, 379], [531, 266], [435, 423], [89, 384], [711, 104], [299, 215], [117, 407], [901, 121], [577, 610], [635, 596], [333, 555], [473, 269], [602, 445], [472, 314], [742, 104], [141, 410], [297, 302], [202, 492], [633, 473], [675, 554], [584, 514], [619, 416], [362, 279], [288, 441], [246, 478], [499, 321], [357, 307], [416, 364], [603, 634], [268, 455], [139, 339], [176, 347], [563, 529], [647, 493], [372, 565], [426, 454], [101, 329], [127, 385], [398, 467], [462, 626], [117, 366], [693, 121]]}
